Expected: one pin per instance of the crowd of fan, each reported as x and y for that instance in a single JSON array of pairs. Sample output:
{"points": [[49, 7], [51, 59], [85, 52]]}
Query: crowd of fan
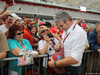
{"points": [[45, 39]]}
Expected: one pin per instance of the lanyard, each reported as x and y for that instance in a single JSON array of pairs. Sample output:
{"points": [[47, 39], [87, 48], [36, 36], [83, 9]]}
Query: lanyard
{"points": [[68, 33]]}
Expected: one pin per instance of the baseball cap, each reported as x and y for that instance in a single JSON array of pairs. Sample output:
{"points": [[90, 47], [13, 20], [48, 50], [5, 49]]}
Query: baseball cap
{"points": [[83, 25], [41, 23], [54, 30], [27, 20]]}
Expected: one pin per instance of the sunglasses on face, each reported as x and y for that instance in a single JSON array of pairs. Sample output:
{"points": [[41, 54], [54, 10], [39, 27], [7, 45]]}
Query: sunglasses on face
{"points": [[20, 33], [43, 31]]}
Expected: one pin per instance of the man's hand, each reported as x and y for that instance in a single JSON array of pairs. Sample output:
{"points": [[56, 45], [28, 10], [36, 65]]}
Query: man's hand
{"points": [[6, 6], [35, 55], [57, 37], [46, 38], [51, 63]]}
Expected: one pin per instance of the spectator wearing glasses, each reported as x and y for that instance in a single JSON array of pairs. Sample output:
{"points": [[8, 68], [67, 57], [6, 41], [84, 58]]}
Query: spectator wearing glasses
{"points": [[46, 45], [46, 29], [16, 43], [73, 42]]}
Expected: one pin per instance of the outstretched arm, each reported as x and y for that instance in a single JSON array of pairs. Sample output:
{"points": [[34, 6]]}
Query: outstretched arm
{"points": [[4, 9]]}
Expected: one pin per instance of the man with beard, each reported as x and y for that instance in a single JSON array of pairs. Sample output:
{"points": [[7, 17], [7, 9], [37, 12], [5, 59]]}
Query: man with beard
{"points": [[8, 22], [27, 33]]}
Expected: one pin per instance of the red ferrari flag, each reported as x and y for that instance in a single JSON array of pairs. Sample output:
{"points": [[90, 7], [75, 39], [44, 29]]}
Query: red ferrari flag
{"points": [[9, 2]]}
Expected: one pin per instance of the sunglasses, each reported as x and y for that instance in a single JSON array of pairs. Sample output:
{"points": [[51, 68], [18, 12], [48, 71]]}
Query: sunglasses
{"points": [[44, 31], [20, 33]]}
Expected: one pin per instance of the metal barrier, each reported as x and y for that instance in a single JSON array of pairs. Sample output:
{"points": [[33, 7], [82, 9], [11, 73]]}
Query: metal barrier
{"points": [[90, 63]]}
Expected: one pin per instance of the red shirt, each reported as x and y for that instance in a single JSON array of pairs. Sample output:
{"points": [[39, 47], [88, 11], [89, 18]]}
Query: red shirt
{"points": [[27, 35]]}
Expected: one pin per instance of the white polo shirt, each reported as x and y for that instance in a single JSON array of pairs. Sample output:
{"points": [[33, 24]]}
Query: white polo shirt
{"points": [[75, 43]]}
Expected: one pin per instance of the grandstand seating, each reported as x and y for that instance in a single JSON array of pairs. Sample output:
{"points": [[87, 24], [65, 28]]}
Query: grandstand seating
{"points": [[40, 10]]}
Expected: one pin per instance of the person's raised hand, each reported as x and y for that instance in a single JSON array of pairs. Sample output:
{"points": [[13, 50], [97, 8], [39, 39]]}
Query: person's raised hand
{"points": [[46, 38], [5, 6]]}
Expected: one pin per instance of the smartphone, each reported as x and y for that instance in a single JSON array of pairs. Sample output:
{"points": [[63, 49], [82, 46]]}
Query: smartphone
{"points": [[50, 35]]}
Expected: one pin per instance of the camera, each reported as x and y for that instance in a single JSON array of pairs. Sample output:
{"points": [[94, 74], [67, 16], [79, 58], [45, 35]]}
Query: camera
{"points": [[50, 35]]}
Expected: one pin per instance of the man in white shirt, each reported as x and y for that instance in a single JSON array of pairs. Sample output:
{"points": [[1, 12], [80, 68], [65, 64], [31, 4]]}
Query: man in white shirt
{"points": [[74, 43], [8, 22]]}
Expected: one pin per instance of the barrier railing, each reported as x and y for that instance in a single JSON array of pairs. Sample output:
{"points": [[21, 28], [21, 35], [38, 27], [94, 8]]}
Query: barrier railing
{"points": [[90, 64]]}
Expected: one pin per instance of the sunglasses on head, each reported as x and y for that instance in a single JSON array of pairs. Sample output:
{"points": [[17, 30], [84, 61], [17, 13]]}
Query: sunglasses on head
{"points": [[20, 33]]}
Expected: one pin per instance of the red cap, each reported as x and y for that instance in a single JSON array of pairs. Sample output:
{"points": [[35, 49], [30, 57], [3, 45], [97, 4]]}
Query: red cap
{"points": [[53, 30], [40, 23], [83, 25], [26, 20]]}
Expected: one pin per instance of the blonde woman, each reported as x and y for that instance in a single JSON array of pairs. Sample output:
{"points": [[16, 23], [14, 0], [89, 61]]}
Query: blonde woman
{"points": [[46, 45]]}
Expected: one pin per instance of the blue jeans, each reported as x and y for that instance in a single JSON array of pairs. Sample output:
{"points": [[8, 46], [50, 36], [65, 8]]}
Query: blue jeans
{"points": [[70, 70]]}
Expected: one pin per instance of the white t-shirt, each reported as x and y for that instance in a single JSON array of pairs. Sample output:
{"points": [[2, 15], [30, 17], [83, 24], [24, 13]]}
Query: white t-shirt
{"points": [[75, 43], [3, 28], [50, 50]]}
